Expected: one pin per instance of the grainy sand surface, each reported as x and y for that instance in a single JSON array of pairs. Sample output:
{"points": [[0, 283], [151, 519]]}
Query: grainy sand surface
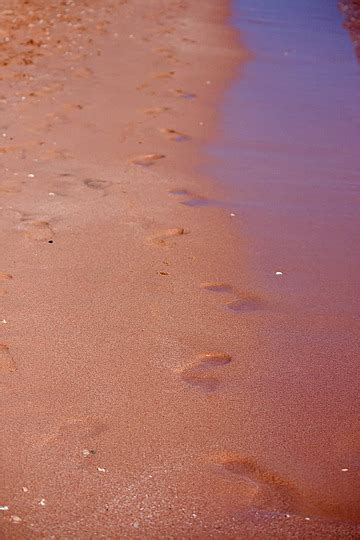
{"points": [[121, 410]]}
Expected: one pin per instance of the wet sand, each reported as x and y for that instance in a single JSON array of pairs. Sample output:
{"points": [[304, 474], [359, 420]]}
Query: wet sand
{"points": [[123, 414]]}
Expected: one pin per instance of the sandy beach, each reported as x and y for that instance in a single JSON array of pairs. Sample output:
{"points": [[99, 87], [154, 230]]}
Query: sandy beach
{"points": [[119, 375]]}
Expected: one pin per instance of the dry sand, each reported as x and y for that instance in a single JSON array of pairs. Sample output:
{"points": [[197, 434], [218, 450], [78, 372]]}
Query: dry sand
{"points": [[121, 417]]}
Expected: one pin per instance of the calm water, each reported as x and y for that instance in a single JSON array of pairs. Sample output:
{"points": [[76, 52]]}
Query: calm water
{"points": [[289, 149]]}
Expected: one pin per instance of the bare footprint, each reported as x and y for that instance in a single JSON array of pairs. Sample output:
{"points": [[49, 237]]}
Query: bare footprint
{"points": [[201, 374], [217, 287], [155, 111], [183, 94], [7, 364], [164, 75], [147, 160], [272, 492], [246, 303], [4, 276], [99, 185], [191, 198], [76, 431], [37, 230], [174, 135], [180, 192], [163, 237]]}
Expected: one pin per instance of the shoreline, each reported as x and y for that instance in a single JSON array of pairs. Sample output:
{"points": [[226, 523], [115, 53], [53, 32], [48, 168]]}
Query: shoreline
{"points": [[119, 373]]}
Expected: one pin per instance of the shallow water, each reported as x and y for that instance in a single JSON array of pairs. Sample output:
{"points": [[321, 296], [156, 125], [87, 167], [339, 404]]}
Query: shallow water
{"points": [[289, 149]]}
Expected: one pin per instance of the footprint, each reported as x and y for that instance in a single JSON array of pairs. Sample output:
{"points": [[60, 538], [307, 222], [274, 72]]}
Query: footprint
{"points": [[147, 160], [174, 135], [99, 185], [203, 381], [271, 491], [76, 430], [168, 234], [182, 94], [7, 364], [37, 230], [8, 189], [180, 192], [164, 75], [4, 276], [155, 111], [214, 359], [192, 198], [217, 287], [201, 374], [246, 303]]}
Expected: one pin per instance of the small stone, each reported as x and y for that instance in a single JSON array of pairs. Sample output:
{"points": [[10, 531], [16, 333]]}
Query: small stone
{"points": [[31, 175], [101, 469], [42, 502], [232, 214], [16, 519], [4, 508], [278, 273], [307, 519], [86, 452], [136, 524], [345, 470], [25, 489]]}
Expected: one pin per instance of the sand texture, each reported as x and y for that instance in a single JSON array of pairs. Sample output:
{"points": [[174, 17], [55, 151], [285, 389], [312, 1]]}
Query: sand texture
{"points": [[120, 286]]}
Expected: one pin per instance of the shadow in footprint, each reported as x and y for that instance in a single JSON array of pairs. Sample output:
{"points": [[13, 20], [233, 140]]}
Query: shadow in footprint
{"points": [[183, 94], [155, 111], [191, 198], [164, 75], [246, 304], [217, 287], [7, 363], [272, 492], [147, 160], [98, 185], [4, 276], [174, 135], [201, 374]]}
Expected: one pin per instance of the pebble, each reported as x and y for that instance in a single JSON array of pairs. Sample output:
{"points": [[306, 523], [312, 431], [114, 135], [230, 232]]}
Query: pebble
{"points": [[345, 470], [278, 273], [100, 469], [4, 508], [42, 502], [16, 519]]}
